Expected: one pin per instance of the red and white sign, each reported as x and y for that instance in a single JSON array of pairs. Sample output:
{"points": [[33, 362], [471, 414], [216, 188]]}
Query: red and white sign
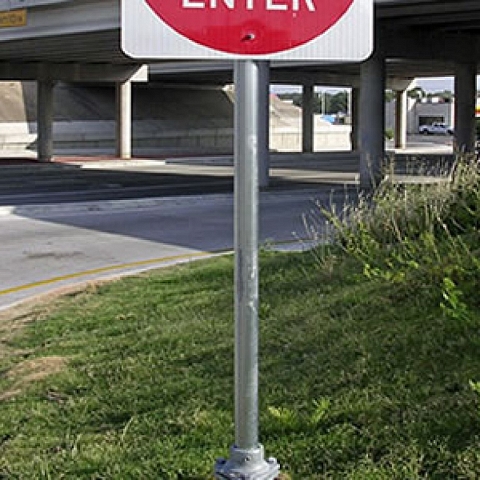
{"points": [[267, 29]]}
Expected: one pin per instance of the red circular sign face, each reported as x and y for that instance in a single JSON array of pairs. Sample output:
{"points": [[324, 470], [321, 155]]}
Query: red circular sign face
{"points": [[250, 27]]}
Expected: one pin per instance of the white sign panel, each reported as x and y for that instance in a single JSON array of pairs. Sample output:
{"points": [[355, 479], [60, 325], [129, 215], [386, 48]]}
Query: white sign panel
{"points": [[336, 30]]}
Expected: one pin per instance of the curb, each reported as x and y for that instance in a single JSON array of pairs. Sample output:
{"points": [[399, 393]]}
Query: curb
{"points": [[101, 206], [117, 163], [32, 165], [105, 205]]}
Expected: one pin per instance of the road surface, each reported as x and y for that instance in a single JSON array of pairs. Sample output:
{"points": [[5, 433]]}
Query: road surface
{"points": [[62, 224], [52, 246]]}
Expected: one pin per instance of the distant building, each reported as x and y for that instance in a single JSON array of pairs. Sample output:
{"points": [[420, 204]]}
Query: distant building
{"points": [[422, 112]]}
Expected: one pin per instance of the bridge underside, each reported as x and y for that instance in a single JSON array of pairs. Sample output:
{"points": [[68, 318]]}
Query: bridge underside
{"points": [[80, 42], [64, 39]]}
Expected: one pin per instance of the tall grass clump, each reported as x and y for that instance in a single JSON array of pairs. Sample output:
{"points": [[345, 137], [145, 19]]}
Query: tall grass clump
{"points": [[423, 238]]}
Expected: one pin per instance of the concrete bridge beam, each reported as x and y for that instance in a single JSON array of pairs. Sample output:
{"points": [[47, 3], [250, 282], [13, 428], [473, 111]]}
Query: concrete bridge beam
{"points": [[308, 128], [465, 101], [124, 119], [400, 134], [372, 121], [45, 120]]}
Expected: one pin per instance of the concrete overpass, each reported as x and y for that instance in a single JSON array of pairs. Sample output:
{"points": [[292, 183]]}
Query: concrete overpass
{"points": [[79, 41]]}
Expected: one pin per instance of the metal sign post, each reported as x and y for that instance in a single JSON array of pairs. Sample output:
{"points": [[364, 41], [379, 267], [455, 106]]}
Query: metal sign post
{"points": [[250, 33], [246, 460]]}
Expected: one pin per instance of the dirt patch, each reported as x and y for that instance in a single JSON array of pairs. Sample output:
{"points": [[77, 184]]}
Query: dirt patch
{"points": [[34, 309], [36, 369], [10, 325], [12, 321], [30, 371]]}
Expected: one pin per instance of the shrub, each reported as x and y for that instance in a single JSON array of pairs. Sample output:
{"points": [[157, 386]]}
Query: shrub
{"points": [[389, 134], [420, 234]]}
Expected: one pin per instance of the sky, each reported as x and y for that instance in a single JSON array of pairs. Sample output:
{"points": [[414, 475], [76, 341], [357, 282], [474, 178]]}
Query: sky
{"points": [[436, 84], [439, 84]]}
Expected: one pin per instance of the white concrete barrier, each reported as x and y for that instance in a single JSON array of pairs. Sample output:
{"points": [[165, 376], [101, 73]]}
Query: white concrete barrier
{"points": [[85, 135]]}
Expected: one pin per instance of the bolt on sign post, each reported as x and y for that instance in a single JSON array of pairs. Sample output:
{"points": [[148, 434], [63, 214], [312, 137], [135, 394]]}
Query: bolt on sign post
{"points": [[252, 33]]}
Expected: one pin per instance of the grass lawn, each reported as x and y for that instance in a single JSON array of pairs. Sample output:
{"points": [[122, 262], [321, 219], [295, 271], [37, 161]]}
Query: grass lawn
{"points": [[369, 368], [361, 378]]}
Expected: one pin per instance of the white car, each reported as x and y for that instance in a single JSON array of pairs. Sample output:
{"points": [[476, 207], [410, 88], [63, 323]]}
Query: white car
{"points": [[436, 128]]}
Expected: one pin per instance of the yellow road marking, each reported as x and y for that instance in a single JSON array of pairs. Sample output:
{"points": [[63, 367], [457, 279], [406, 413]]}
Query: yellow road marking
{"points": [[111, 268], [124, 266]]}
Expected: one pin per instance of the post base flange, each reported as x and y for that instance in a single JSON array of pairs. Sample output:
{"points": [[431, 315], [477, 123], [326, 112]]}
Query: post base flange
{"points": [[247, 465]]}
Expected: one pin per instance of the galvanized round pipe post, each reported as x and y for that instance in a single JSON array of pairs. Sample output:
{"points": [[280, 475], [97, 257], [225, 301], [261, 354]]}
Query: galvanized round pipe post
{"points": [[246, 260], [246, 460]]}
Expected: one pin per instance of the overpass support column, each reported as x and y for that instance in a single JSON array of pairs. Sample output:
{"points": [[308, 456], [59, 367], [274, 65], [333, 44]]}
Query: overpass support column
{"points": [[401, 99], [45, 120], [124, 119], [264, 124], [308, 129], [465, 100], [372, 121], [354, 119]]}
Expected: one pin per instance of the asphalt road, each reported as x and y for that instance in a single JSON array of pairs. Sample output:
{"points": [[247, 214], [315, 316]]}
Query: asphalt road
{"points": [[64, 183], [64, 224], [61, 182], [69, 180], [50, 247]]}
